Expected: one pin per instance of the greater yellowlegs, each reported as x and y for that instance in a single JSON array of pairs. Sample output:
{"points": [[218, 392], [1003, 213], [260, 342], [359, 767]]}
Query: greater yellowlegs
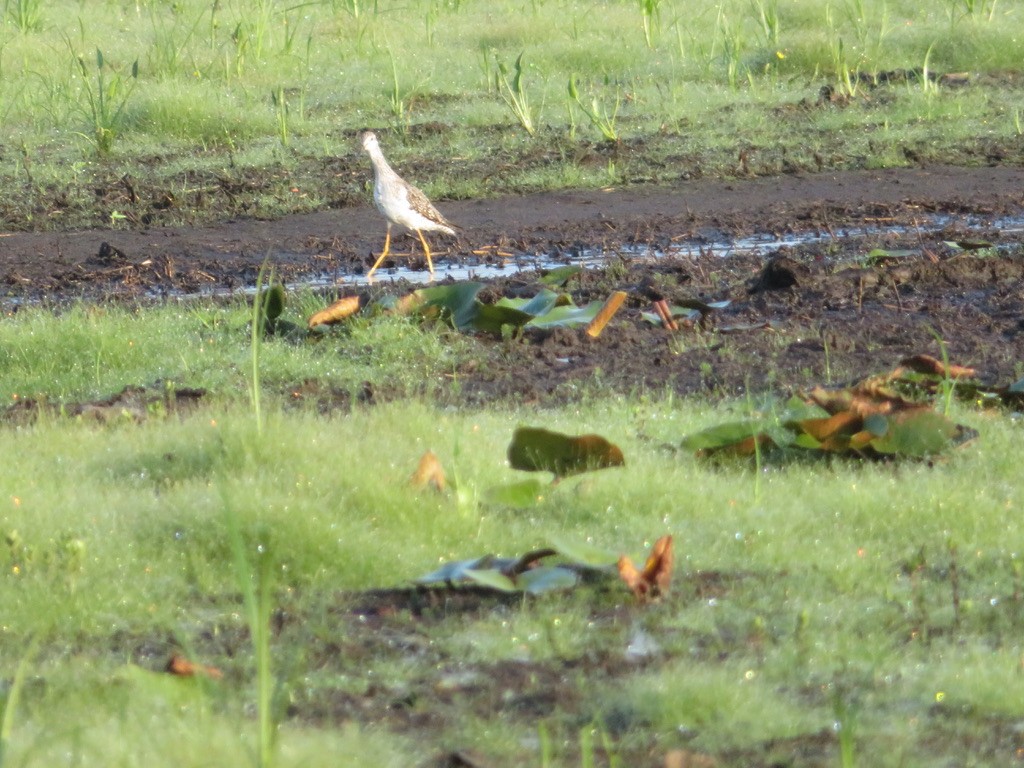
{"points": [[401, 203]]}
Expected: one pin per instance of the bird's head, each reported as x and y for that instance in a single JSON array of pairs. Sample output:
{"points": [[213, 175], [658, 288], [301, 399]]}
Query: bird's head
{"points": [[368, 139]]}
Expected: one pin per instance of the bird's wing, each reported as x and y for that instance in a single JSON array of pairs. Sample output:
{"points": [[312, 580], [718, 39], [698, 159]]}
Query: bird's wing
{"points": [[419, 203]]}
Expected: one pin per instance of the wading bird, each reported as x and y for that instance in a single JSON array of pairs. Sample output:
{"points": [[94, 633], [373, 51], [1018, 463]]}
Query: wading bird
{"points": [[401, 203]]}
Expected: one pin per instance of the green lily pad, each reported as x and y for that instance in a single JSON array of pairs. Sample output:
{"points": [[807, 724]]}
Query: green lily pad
{"points": [[493, 578], [916, 433], [559, 276], [547, 578]]}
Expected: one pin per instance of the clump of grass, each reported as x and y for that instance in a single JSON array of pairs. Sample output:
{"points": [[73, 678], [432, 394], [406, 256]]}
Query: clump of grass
{"points": [[514, 95], [106, 93], [26, 15], [598, 114]]}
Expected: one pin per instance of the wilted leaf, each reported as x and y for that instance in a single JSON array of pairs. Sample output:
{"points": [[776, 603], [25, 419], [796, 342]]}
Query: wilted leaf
{"points": [[540, 450], [338, 311], [929, 365], [822, 429], [866, 398], [429, 472], [182, 667], [655, 578]]}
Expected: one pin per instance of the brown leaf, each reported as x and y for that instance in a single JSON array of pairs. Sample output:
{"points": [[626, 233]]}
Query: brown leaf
{"points": [[540, 450], [865, 399], [180, 666], [429, 472], [934, 367], [655, 578], [823, 430], [337, 312]]}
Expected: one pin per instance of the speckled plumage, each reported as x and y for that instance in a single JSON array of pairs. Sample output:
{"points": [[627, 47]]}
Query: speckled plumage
{"points": [[401, 203]]}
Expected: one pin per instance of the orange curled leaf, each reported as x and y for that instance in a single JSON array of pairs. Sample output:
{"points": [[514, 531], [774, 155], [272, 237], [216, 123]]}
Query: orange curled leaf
{"points": [[429, 472], [865, 399], [337, 312], [606, 313], [930, 365], [181, 667], [844, 422], [655, 578]]}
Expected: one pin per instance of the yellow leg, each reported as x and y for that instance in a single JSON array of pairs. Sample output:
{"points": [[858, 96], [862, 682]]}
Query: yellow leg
{"points": [[383, 255], [426, 250]]}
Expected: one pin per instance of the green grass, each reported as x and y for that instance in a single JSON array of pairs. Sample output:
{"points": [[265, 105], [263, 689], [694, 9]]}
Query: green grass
{"points": [[699, 83], [805, 595], [814, 585]]}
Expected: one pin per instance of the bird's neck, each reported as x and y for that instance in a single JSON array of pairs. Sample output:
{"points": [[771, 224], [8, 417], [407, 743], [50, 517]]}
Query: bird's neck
{"points": [[380, 165]]}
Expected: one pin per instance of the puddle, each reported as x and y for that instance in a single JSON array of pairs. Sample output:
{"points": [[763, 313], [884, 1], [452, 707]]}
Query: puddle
{"points": [[473, 268], [491, 267]]}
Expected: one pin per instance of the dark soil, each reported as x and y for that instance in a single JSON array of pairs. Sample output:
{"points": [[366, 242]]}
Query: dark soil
{"points": [[818, 312]]}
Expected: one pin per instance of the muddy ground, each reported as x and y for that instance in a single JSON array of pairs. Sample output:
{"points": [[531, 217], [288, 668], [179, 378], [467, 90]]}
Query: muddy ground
{"points": [[822, 312]]}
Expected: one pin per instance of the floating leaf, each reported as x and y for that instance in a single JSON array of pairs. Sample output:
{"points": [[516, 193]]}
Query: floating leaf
{"points": [[338, 311], [540, 450], [655, 578], [429, 472]]}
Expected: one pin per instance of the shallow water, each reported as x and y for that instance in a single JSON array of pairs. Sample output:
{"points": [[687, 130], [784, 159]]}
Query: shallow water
{"points": [[486, 268]]}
